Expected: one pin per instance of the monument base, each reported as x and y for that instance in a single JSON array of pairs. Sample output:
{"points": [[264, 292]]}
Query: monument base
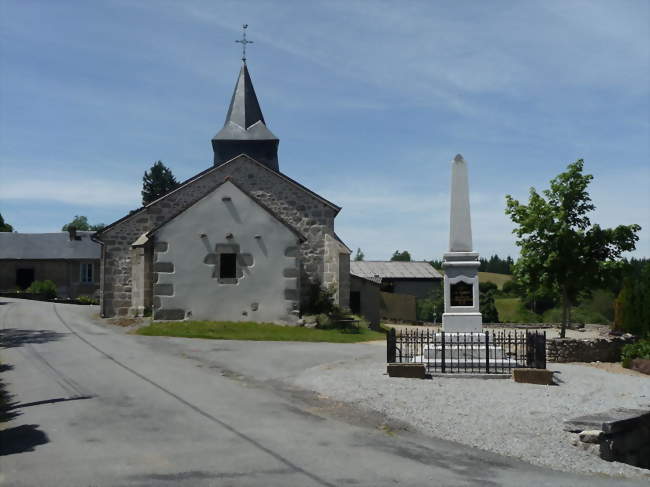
{"points": [[462, 322]]}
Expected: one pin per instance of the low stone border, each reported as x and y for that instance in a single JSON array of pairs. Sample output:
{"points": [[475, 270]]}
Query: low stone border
{"points": [[619, 434], [542, 377], [604, 349]]}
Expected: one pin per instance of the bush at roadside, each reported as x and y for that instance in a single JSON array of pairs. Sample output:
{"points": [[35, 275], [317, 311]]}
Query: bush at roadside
{"points": [[45, 288], [640, 349]]}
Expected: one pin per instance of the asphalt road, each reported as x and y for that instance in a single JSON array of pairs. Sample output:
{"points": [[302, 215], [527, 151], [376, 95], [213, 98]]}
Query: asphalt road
{"points": [[93, 406]]}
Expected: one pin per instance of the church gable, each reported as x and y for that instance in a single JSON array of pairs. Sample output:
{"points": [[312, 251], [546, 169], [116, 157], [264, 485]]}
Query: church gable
{"points": [[226, 257], [126, 280]]}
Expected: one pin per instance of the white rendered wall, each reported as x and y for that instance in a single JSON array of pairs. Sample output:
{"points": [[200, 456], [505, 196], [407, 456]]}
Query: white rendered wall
{"points": [[267, 289]]}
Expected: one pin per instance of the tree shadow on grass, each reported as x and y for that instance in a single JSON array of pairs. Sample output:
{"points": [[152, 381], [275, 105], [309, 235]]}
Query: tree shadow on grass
{"points": [[21, 439], [15, 337]]}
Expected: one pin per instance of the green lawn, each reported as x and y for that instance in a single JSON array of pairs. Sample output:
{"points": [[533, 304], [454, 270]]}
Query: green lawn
{"points": [[256, 331], [511, 311]]}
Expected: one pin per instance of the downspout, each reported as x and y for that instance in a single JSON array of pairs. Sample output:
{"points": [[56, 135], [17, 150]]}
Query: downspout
{"points": [[102, 261]]}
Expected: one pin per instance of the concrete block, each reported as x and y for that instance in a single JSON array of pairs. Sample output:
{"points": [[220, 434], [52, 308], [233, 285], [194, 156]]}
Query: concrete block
{"points": [[612, 421], [542, 377], [413, 371]]}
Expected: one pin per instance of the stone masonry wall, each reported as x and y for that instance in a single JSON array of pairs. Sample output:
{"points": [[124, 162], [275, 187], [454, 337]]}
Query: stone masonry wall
{"points": [[586, 350], [309, 215]]}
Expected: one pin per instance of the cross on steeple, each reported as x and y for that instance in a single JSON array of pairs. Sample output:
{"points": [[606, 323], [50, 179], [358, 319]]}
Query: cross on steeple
{"points": [[243, 42]]}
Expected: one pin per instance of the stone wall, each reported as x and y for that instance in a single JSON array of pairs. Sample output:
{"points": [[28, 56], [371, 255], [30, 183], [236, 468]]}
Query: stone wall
{"points": [[306, 212], [607, 349]]}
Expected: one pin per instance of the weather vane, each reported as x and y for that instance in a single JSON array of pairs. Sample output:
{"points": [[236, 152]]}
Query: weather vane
{"points": [[243, 42]]}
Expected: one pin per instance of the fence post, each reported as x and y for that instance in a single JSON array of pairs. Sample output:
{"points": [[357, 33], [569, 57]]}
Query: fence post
{"points": [[487, 352], [442, 363], [391, 343], [540, 351], [530, 350]]}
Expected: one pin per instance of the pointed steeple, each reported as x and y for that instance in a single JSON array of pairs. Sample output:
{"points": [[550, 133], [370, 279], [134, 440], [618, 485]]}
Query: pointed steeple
{"points": [[245, 131]]}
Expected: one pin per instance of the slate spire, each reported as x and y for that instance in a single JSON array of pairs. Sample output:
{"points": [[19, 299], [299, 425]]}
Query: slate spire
{"points": [[245, 131]]}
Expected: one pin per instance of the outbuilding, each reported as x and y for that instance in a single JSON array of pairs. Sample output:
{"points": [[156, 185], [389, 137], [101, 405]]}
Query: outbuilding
{"points": [[69, 259]]}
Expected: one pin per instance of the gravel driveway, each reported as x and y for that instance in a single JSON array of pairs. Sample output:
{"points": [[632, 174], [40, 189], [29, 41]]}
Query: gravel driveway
{"points": [[499, 415]]}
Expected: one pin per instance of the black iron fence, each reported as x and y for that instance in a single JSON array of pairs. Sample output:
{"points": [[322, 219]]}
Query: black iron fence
{"points": [[496, 352]]}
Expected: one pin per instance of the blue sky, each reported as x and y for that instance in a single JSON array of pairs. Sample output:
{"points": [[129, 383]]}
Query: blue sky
{"points": [[370, 100]]}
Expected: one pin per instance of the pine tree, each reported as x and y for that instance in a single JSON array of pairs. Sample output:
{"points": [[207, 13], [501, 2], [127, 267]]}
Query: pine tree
{"points": [[156, 182]]}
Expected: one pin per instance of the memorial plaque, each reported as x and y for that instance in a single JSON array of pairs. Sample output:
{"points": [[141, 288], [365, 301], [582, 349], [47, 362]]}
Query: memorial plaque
{"points": [[461, 294]]}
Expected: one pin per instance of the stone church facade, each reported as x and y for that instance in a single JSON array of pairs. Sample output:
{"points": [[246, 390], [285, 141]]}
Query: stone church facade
{"points": [[238, 241]]}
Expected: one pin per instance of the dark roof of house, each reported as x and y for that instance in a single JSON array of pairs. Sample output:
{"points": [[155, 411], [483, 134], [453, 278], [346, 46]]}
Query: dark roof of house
{"points": [[393, 270], [293, 229], [244, 120], [46, 246]]}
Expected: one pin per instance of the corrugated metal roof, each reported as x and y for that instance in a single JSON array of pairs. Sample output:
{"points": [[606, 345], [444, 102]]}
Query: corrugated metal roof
{"points": [[393, 269], [48, 246], [373, 279]]}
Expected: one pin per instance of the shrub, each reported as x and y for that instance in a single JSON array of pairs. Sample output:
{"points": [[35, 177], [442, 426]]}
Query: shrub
{"points": [[321, 300], [87, 300], [46, 288], [640, 349]]}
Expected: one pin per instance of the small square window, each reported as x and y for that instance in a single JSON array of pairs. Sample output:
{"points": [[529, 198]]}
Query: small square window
{"points": [[228, 266], [86, 272]]}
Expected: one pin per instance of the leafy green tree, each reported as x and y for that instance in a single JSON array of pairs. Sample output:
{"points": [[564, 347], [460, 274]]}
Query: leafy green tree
{"points": [[5, 227], [156, 182], [562, 252], [487, 305], [359, 256], [431, 308], [403, 256], [80, 222]]}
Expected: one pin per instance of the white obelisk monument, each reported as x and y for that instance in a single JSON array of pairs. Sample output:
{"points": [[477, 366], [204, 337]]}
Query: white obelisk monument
{"points": [[461, 265]]}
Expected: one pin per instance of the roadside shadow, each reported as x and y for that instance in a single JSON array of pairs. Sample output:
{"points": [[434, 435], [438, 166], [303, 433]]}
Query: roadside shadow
{"points": [[15, 337], [7, 405], [21, 439]]}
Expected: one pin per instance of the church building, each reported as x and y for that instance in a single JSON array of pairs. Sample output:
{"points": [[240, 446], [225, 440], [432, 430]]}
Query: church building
{"points": [[240, 241]]}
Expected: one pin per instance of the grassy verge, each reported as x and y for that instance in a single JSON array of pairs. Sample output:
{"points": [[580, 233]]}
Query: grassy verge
{"points": [[256, 331]]}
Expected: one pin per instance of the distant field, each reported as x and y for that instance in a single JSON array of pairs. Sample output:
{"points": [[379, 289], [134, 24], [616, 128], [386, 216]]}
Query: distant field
{"points": [[498, 279]]}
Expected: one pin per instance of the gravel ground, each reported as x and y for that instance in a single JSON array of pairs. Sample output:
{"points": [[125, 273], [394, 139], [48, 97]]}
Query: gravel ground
{"points": [[499, 415]]}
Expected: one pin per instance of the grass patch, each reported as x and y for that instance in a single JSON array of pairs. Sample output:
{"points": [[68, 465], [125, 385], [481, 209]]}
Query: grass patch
{"points": [[228, 330], [511, 310], [498, 279]]}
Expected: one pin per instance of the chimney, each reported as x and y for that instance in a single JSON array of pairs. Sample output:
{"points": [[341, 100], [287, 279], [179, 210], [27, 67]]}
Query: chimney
{"points": [[72, 231]]}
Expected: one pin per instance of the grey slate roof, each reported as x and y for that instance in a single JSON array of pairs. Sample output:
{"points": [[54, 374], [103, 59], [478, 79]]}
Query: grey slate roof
{"points": [[244, 120], [48, 246], [393, 270]]}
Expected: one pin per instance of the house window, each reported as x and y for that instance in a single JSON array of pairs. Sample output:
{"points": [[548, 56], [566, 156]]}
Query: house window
{"points": [[86, 272], [228, 266]]}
